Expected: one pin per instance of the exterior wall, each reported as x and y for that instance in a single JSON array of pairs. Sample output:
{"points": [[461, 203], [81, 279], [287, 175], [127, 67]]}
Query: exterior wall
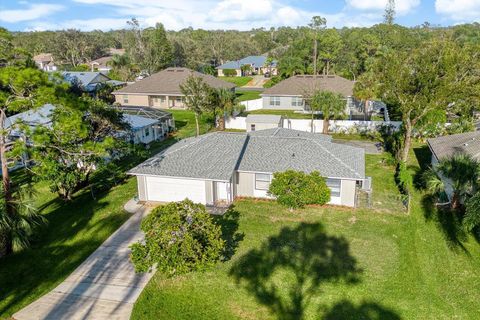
{"points": [[209, 192], [133, 100], [245, 184], [285, 104], [347, 193], [142, 193]]}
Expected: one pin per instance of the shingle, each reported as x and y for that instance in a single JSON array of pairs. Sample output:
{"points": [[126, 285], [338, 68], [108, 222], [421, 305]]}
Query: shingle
{"points": [[446, 146], [263, 118], [257, 61], [301, 84], [217, 155], [168, 81], [290, 133]]}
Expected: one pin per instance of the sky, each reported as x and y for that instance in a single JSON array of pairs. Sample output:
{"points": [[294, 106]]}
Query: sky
{"points": [[105, 15]]}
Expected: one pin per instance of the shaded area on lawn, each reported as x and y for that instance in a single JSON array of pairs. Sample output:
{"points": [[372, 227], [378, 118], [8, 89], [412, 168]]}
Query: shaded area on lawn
{"points": [[364, 311], [306, 256], [229, 223]]}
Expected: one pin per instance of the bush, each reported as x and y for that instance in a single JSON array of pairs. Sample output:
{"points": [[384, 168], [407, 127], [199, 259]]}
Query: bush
{"points": [[179, 237], [472, 213], [295, 189], [229, 72]]}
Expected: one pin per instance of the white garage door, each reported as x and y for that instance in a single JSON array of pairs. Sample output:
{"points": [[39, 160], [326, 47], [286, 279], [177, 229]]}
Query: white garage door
{"points": [[168, 189]]}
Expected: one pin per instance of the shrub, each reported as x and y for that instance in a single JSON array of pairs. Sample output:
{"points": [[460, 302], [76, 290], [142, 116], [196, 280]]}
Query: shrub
{"points": [[295, 189], [472, 212], [179, 237], [229, 72]]}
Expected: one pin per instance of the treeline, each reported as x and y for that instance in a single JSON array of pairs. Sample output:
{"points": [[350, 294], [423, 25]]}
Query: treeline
{"points": [[345, 51]]}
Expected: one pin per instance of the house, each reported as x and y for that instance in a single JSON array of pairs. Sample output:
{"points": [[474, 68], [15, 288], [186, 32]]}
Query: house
{"points": [[162, 89], [255, 122], [44, 61], [258, 65], [290, 93], [89, 81], [101, 65], [215, 168], [148, 127], [446, 146]]}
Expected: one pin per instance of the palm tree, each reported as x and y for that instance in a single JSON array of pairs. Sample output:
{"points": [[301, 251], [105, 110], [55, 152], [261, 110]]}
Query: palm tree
{"points": [[226, 101], [291, 65], [332, 105], [122, 65], [460, 172]]}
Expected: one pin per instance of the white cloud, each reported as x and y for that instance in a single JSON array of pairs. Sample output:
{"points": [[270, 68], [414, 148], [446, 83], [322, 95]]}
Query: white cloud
{"points": [[459, 10], [32, 12], [402, 7], [241, 10]]}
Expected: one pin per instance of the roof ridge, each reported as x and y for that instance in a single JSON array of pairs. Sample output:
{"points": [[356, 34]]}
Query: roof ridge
{"points": [[335, 157]]}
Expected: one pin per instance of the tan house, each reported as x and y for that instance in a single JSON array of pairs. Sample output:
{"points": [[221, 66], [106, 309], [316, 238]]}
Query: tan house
{"points": [[44, 61], [162, 89]]}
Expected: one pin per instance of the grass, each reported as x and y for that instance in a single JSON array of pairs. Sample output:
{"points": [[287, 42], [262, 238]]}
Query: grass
{"points": [[330, 263], [74, 230], [243, 95], [238, 81]]}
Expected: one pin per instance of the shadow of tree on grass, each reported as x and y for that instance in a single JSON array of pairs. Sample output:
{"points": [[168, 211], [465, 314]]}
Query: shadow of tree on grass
{"points": [[286, 272], [365, 311], [228, 223]]}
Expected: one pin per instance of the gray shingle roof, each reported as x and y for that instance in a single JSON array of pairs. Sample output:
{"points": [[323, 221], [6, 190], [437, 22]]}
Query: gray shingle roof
{"points": [[290, 133], [217, 155], [263, 118], [168, 81], [300, 84], [446, 146]]}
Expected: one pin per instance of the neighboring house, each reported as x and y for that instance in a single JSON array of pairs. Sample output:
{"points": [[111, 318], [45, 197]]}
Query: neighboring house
{"points": [[89, 81], [257, 64], [162, 89], [290, 93], [447, 146], [215, 168], [257, 122], [44, 61], [148, 129], [101, 64]]}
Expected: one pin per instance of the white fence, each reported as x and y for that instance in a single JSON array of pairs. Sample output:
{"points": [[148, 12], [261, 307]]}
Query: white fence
{"points": [[338, 126], [251, 105]]}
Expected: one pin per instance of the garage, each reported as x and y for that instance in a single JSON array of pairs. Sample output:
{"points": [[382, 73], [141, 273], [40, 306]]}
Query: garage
{"points": [[172, 189]]}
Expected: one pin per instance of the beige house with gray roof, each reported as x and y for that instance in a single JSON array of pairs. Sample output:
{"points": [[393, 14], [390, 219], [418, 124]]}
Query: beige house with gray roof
{"points": [[290, 93], [162, 89], [218, 167]]}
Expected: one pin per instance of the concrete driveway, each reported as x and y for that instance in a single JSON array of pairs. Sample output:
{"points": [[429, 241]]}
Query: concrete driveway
{"points": [[105, 286]]}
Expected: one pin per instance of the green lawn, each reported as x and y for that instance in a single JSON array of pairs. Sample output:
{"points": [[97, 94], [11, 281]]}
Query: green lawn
{"points": [[243, 95], [238, 81], [330, 263], [74, 230]]}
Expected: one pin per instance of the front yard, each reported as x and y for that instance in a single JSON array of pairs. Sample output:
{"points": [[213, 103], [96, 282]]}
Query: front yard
{"points": [[74, 230], [238, 81], [330, 263]]}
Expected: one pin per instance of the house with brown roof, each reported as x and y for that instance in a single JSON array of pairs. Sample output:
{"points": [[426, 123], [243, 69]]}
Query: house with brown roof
{"points": [[44, 61], [290, 93], [101, 64], [162, 89]]}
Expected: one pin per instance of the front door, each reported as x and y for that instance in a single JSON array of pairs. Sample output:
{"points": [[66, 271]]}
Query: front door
{"points": [[222, 192]]}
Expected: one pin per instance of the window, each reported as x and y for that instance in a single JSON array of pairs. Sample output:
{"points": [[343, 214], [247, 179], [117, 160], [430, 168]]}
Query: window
{"points": [[335, 187], [252, 127], [297, 101], [125, 98], [274, 101], [262, 181], [147, 132]]}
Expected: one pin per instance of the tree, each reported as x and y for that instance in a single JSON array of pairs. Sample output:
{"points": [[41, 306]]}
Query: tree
{"points": [[332, 105], [426, 82], [149, 48], [179, 237], [317, 23], [365, 88], [229, 72], [472, 213], [463, 174], [246, 70], [77, 143], [122, 68], [224, 101], [76, 47], [389, 15], [20, 89], [196, 97], [295, 189]]}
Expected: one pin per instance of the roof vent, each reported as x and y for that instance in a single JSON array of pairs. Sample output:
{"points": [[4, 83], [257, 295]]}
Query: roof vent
{"points": [[293, 155]]}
